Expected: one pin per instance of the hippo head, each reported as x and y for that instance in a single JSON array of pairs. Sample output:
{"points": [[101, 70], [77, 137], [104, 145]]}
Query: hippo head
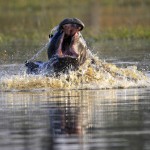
{"points": [[66, 50], [68, 41]]}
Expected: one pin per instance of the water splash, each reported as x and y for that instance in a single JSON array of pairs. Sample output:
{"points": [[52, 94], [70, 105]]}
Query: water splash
{"points": [[97, 75], [39, 52]]}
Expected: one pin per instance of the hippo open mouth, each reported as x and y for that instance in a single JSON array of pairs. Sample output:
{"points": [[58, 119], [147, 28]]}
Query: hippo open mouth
{"points": [[65, 39], [69, 38], [68, 46]]}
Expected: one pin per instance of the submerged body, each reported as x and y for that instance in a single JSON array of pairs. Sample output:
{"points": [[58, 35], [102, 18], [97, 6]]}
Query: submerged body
{"points": [[66, 50], [54, 65]]}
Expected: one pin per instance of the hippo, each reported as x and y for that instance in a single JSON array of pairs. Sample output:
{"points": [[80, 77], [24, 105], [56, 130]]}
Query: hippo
{"points": [[67, 50]]}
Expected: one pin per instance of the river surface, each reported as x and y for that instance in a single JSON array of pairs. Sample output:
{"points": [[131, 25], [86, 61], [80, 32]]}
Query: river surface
{"points": [[76, 119]]}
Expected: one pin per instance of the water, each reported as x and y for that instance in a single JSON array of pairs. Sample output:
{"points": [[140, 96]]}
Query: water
{"points": [[75, 119], [35, 116], [38, 112], [44, 48]]}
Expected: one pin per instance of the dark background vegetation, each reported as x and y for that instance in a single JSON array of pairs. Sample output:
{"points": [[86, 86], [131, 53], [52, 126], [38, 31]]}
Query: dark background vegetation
{"points": [[26, 24]]}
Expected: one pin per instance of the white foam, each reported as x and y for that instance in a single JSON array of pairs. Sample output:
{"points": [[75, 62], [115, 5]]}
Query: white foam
{"points": [[100, 75]]}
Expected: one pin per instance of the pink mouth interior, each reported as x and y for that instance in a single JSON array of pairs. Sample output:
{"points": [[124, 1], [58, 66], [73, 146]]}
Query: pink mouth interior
{"points": [[67, 44]]}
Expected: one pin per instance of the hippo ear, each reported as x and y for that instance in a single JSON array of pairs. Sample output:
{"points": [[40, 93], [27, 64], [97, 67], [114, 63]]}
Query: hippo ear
{"points": [[50, 36], [53, 31]]}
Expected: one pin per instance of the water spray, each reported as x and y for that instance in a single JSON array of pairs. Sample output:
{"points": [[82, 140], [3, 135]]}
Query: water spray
{"points": [[39, 52], [53, 31]]}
